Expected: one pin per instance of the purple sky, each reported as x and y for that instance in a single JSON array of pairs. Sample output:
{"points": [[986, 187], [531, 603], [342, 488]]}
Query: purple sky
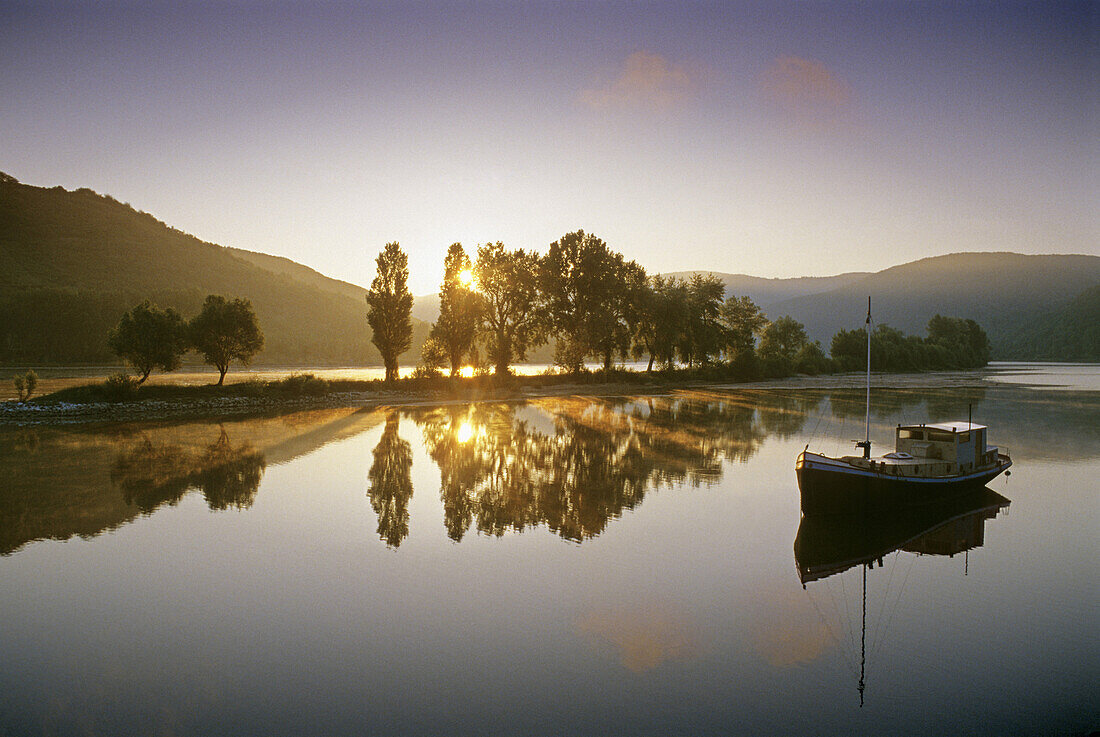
{"points": [[777, 139]]}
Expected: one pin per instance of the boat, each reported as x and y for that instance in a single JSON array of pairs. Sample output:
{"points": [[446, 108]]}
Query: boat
{"points": [[929, 461]]}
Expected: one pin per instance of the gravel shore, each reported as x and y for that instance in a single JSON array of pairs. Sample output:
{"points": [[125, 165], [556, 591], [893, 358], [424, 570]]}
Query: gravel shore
{"points": [[14, 413]]}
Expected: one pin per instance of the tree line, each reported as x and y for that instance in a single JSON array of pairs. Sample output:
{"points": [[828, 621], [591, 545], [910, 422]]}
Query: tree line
{"points": [[588, 299], [224, 331], [595, 304]]}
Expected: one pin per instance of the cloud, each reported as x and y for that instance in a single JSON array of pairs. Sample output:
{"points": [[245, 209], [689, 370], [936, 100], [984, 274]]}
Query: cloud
{"points": [[789, 632], [644, 637], [647, 81], [806, 90]]}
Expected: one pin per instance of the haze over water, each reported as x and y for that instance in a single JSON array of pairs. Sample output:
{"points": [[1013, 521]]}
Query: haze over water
{"points": [[561, 565]]}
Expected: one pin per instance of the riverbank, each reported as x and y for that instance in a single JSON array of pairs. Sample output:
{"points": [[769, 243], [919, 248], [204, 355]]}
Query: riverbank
{"points": [[101, 403]]}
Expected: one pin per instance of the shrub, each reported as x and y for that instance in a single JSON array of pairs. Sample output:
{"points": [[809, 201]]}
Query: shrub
{"points": [[303, 385], [426, 372], [120, 387], [25, 385]]}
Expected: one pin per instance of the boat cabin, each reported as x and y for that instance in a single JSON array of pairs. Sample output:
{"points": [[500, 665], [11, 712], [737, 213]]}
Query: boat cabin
{"points": [[961, 443]]}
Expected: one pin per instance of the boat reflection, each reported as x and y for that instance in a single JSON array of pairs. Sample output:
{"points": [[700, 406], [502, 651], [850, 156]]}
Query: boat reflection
{"points": [[828, 545], [831, 544]]}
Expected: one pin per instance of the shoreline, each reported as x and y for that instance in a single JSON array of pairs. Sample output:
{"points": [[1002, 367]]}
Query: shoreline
{"points": [[206, 405]]}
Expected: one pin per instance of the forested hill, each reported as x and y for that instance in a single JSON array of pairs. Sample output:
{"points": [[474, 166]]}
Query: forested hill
{"points": [[1071, 333], [766, 292], [1003, 292], [72, 262]]}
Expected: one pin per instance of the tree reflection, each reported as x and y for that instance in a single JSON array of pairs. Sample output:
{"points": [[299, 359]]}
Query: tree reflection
{"points": [[890, 404], [391, 487], [153, 474], [228, 476], [573, 464]]}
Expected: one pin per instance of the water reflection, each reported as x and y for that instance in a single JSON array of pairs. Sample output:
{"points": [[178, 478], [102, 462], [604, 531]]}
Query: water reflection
{"points": [[151, 474], [831, 544], [57, 482], [828, 545], [569, 464], [391, 483], [573, 464]]}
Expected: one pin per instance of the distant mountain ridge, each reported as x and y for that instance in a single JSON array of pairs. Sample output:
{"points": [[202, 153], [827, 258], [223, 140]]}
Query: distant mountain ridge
{"points": [[766, 292], [763, 291], [71, 262], [1002, 292]]}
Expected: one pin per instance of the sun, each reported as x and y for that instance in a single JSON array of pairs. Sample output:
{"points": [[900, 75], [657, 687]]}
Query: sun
{"points": [[465, 432], [466, 277]]}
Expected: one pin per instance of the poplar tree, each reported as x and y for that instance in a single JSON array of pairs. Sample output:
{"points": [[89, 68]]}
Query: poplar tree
{"points": [[389, 307], [460, 308]]}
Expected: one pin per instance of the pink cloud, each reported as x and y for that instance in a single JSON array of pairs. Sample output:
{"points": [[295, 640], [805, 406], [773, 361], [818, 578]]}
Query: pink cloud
{"points": [[806, 90], [647, 81]]}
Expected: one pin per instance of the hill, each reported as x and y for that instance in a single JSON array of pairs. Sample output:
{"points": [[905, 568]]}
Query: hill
{"points": [[766, 292], [1001, 291], [72, 262], [1069, 334], [762, 291]]}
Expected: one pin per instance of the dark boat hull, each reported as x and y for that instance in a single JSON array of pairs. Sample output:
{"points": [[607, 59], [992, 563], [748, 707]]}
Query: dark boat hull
{"points": [[831, 489]]}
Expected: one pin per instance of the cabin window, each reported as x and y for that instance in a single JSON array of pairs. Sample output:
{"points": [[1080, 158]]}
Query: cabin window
{"points": [[964, 437], [911, 435], [941, 437]]}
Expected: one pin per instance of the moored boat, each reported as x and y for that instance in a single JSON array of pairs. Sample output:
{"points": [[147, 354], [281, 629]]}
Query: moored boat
{"points": [[929, 461]]}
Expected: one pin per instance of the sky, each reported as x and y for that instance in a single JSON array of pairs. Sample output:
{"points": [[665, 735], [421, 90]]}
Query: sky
{"points": [[777, 139]]}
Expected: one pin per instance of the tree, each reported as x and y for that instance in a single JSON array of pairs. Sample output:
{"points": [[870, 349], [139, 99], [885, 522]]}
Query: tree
{"points": [[743, 321], [783, 339], [964, 339], [705, 335], [433, 355], [849, 349], [147, 338], [225, 331], [810, 359], [662, 319], [592, 296], [508, 281], [460, 308], [389, 307]]}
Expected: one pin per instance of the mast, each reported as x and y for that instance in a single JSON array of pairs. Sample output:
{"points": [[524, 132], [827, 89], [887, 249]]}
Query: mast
{"points": [[867, 439], [866, 444]]}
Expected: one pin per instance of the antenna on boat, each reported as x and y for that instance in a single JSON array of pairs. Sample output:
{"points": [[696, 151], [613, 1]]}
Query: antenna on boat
{"points": [[866, 444]]}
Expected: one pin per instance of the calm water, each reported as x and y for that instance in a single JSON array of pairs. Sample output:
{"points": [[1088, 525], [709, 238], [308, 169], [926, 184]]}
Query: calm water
{"points": [[558, 566]]}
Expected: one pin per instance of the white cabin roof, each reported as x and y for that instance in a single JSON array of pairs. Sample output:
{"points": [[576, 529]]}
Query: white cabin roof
{"points": [[954, 426]]}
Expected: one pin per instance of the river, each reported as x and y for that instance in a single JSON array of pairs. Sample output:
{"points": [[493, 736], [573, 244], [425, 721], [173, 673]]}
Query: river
{"points": [[565, 565]]}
